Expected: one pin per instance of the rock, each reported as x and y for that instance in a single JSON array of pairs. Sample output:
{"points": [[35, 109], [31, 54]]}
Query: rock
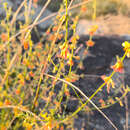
{"points": [[127, 71], [46, 23], [126, 36], [37, 10], [15, 4], [105, 51]]}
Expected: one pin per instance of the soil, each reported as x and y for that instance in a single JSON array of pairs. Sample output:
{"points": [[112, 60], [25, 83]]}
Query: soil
{"points": [[108, 25], [115, 25]]}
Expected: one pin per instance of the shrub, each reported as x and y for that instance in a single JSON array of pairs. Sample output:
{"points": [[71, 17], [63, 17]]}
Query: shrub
{"points": [[35, 78]]}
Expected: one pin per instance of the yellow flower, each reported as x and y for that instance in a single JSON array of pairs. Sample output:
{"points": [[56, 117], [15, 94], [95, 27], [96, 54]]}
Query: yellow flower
{"points": [[65, 53], [128, 53], [126, 48], [109, 82], [93, 30], [118, 67], [126, 45]]}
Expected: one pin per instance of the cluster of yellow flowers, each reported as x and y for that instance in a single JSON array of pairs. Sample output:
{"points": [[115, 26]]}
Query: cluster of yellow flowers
{"points": [[126, 46]]}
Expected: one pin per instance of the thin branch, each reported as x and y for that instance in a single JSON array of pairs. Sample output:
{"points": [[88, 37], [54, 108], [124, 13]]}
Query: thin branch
{"points": [[37, 18], [11, 123], [16, 13], [23, 110], [46, 63], [29, 8], [87, 98], [127, 112], [42, 20], [11, 65], [19, 48]]}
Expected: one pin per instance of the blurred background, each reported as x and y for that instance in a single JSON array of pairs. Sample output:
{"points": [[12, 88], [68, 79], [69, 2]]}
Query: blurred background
{"points": [[112, 16]]}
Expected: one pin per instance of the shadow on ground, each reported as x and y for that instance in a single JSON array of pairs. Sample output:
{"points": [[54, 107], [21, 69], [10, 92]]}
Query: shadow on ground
{"points": [[104, 53]]}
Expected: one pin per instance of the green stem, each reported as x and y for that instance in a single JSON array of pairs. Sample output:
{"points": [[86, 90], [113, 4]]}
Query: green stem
{"points": [[100, 87], [66, 35]]}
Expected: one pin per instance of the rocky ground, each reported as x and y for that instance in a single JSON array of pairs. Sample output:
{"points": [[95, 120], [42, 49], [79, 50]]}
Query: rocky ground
{"points": [[104, 53]]}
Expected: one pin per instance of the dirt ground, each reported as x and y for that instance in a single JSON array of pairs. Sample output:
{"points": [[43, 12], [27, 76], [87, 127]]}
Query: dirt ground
{"points": [[108, 25], [115, 25], [118, 25]]}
